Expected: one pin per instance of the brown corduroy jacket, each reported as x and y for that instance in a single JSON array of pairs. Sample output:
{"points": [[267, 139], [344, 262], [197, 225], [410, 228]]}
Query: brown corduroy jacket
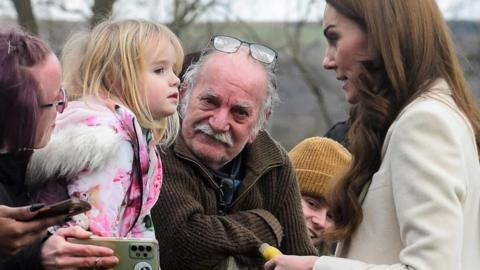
{"points": [[266, 208]]}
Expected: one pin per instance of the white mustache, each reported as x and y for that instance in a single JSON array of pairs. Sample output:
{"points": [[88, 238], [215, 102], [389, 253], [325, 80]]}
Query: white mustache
{"points": [[224, 137]]}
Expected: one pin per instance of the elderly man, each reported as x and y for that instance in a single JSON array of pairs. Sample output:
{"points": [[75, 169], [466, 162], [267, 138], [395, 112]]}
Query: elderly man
{"points": [[229, 187]]}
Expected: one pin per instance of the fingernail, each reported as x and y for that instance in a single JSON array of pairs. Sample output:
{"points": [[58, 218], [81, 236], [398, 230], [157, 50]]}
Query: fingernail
{"points": [[36, 207]]}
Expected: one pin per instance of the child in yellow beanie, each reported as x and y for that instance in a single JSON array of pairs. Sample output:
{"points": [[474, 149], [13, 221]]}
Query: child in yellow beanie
{"points": [[318, 161]]}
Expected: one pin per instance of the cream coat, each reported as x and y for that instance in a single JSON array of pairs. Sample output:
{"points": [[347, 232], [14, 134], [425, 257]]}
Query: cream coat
{"points": [[422, 209]]}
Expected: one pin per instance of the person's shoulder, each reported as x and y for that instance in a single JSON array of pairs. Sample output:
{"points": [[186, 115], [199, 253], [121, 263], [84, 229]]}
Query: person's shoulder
{"points": [[177, 155], [75, 149], [431, 107], [266, 149], [265, 140], [430, 117], [338, 132], [437, 99], [341, 126], [88, 110], [167, 151]]}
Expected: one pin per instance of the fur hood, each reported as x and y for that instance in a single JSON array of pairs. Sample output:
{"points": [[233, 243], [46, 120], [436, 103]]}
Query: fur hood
{"points": [[71, 150]]}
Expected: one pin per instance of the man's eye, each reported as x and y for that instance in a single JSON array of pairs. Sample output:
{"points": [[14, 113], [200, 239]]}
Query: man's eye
{"points": [[241, 114], [207, 102]]}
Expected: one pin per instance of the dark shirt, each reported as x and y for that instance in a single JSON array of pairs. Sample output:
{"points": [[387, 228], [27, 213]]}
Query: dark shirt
{"points": [[229, 182], [338, 132], [13, 194]]}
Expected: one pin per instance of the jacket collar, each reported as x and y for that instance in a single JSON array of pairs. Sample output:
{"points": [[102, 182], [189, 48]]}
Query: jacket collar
{"points": [[263, 153]]}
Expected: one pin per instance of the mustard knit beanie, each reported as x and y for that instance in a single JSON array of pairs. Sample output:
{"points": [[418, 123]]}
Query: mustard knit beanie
{"points": [[317, 161]]}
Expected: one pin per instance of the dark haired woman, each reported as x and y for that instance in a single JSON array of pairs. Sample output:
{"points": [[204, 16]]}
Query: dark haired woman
{"points": [[411, 199], [30, 97]]}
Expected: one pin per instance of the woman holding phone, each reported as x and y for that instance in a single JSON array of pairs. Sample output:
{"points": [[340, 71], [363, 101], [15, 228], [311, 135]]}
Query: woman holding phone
{"points": [[30, 97]]}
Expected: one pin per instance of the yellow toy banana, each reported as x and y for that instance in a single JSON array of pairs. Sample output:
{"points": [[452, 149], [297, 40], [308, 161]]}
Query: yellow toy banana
{"points": [[268, 252]]}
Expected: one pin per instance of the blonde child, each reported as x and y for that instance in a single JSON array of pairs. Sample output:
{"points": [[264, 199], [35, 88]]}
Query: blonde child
{"points": [[123, 79]]}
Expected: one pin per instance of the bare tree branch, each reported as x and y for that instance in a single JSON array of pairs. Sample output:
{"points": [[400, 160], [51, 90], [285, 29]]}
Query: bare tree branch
{"points": [[25, 16], [293, 40], [61, 5], [187, 11], [101, 9]]}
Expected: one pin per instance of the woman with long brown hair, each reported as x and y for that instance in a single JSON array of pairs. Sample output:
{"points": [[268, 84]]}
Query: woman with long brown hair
{"points": [[411, 199]]}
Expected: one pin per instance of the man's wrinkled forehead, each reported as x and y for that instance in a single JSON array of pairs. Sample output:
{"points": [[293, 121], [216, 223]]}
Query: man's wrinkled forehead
{"points": [[223, 59], [237, 65]]}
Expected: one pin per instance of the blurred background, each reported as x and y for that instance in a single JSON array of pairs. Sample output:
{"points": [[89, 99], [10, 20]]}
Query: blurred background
{"points": [[311, 99]]}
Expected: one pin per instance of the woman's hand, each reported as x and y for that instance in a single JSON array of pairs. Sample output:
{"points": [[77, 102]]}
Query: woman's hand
{"points": [[58, 253], [288, 262], [17, 229]]}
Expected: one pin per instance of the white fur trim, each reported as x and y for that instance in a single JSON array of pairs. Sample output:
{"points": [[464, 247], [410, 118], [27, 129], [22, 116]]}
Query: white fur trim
{"points": [[71, 150]]}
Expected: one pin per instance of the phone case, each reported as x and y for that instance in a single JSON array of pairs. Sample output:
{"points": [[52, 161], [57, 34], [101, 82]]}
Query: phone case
{"points": [[133, 253], [70, 207]]}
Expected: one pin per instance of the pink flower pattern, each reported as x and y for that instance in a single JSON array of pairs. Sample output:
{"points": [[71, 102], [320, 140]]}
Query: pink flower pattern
{"points": [[122, 192]]}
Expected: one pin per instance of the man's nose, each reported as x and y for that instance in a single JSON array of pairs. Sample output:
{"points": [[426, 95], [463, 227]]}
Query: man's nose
{"points": [[220, 121]]}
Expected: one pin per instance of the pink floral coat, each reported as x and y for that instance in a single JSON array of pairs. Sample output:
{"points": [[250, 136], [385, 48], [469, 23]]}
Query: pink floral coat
{"points": [[123, 191]]}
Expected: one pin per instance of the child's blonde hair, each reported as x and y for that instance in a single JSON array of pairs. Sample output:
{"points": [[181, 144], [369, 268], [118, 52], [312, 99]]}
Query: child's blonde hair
{"points": [[110, 61]]}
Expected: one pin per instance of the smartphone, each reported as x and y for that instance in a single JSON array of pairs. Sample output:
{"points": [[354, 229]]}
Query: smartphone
{"points": [[133, 253], [69, 207]]}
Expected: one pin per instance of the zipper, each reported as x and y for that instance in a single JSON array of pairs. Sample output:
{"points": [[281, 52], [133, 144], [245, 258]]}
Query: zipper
{"points": [[218, 188], [137, 162], [252, 184]]}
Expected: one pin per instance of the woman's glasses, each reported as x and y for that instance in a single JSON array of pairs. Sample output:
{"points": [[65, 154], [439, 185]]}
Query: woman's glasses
{"points": [[259, 52], [59, 105]]}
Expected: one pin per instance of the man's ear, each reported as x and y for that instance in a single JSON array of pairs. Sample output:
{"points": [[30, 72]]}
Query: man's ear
{"points": [[268, 114], [252, 138]]}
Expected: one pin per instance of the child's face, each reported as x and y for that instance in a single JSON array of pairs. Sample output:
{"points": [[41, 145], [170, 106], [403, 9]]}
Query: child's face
{"points": [[315, 211], [161, 83]]}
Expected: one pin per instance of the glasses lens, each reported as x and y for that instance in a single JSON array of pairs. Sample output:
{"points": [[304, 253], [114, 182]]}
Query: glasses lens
{"points": [[226, 44], [262, 53], [62, 104]]}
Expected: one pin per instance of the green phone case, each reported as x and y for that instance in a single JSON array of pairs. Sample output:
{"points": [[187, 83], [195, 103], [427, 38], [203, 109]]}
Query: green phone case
{"points": [[133, 253]]}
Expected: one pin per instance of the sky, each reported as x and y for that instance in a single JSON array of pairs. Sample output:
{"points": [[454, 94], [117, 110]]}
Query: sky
{"points": [[248, 10], [281, 9]]}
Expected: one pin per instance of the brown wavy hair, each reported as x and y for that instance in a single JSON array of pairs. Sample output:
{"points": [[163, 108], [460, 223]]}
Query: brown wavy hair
{"points": [[412, 48]]}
